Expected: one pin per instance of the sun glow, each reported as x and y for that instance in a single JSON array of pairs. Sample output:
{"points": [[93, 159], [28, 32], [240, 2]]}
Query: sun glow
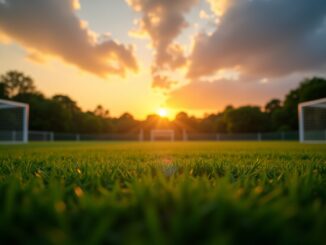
{"points": [[162, 112]]}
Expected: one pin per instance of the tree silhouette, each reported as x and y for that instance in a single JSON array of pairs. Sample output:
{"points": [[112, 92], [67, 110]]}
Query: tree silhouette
{"points": [[14, 82], [62, 114]]}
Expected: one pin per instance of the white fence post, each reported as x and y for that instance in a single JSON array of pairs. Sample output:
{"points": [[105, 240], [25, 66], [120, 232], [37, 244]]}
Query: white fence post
{"points": [[77, 137], [141, 135], [13, 136], [51, 136], [184, 135], [259, 136]]}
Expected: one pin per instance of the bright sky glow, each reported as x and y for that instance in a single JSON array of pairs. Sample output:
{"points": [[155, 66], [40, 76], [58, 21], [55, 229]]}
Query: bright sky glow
{"points": [[163, 112], [196, 56]]}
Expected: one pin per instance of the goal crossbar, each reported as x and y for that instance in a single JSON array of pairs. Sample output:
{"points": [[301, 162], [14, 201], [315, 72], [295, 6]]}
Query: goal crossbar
{"points": [[319, 102]]}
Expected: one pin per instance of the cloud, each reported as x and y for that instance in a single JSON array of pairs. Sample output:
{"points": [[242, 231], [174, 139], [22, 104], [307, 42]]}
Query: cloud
{"points": [[163, 21], [162, 82], [263, 38], [36, 57], [171, 58], [215, 95], [220, 6], [4, 38], [51, 27], [204, 16]]}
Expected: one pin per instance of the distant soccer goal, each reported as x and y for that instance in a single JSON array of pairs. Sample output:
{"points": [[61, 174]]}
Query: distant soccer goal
{"points": [[13, 122], [162, 135], [312, 121]]}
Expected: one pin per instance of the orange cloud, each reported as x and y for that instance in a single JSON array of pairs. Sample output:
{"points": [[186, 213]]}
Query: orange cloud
{"points": [[75, 4], [162, 82], [36, 57], [203, 15], [163, 21], [219, 7], [52, 28], [4, 38], [173, 58]]}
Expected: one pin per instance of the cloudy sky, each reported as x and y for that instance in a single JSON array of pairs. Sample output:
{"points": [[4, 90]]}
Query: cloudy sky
{"points": [[140, 55]]}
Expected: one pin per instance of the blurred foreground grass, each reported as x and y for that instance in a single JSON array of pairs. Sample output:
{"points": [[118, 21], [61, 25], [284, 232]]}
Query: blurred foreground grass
{"points": [[163, 193]]}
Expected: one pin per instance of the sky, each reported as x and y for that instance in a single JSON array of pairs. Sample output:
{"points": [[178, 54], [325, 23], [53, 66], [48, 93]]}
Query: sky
{"points": [[138, 56]]}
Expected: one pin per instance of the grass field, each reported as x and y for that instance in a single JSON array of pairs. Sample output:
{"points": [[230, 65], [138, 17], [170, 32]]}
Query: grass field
{"points": [[163, 193]]}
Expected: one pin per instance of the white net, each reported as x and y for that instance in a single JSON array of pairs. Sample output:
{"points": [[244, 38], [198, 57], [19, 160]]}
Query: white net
{"points": [[312, 120], [314, 123], [12, 122], [162, 135]]}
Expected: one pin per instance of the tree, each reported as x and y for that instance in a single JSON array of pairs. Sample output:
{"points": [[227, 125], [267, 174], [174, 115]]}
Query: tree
{"points": [[221, 125], [3, 91], [182, 117], [245, 119], [182, 121], [90, 123], [309, 89], [72, 112], [273, 109], [101, 112], [39, 113], [67, 103], [62, 114], [126, 123], [208, 124], [15, 82], [272, 106]]}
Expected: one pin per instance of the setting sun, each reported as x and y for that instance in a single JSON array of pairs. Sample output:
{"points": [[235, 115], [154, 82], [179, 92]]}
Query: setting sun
{"points": [[162, 112]]}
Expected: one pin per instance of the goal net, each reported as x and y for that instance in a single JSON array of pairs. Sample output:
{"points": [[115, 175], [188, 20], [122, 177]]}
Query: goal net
{"points": [[162, 135], [312, 121], [13, 122]]}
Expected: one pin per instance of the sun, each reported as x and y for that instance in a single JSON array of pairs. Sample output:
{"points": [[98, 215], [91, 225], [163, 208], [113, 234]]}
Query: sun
{"points": [[162, 112]]}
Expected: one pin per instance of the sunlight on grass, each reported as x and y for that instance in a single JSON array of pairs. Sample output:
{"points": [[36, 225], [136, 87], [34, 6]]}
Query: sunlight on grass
{"points": [[163, 193]]}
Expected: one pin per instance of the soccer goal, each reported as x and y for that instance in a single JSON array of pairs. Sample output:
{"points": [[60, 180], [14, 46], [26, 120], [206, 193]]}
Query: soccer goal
{"points": [[162, 134], [13, 122], [312, 121]]}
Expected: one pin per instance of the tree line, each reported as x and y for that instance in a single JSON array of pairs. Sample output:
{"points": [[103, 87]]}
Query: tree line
{"points": [[60, 113]]}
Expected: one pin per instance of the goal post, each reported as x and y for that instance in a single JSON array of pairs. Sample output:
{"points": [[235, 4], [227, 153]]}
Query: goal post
{"points": [[14, 117], [312, 121], [162, 134]]}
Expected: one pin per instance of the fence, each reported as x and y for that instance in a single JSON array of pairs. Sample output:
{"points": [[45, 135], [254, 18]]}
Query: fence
{"points": [[15, 136], [270, 136], [51, 136]]}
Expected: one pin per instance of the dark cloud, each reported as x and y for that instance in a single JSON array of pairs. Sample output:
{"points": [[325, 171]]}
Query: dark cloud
{"points": [[264, 38], [51, 27]]}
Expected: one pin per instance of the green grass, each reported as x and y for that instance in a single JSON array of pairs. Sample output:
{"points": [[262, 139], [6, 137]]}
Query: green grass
{"points": [[163, 193]]}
